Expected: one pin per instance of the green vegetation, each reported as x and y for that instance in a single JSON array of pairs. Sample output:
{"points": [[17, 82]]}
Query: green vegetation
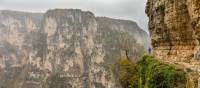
{"points": [[153, 74], [147, 73], [125, 71]]}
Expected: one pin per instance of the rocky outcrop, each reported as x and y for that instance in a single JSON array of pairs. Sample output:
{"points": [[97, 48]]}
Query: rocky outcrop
{"points": [[64, 48], [174, 27]]}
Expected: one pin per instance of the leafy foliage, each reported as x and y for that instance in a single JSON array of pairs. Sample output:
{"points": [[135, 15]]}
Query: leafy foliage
{"points": [[154, 74], [126, 77], [147, 73]]}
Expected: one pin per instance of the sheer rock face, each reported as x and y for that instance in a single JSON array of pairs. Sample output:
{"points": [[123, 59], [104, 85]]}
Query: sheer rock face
{"points": [[63, 48], [174, 27]]}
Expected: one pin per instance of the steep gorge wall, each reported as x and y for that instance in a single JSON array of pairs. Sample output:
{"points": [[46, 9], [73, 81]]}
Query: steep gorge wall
{"points": [[63, 48], [174, 27]]}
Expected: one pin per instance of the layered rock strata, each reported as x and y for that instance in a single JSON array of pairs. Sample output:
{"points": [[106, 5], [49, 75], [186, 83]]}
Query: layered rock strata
{"points": [[174, 27], [63, 48]]}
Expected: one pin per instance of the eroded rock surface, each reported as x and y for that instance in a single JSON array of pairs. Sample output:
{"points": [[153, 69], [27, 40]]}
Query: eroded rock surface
{"points": [[174, 28], [63, 48]]}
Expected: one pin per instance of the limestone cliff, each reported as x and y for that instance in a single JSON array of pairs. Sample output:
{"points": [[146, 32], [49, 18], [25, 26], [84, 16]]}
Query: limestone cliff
{"points": [[175, 31], [64, 48]]}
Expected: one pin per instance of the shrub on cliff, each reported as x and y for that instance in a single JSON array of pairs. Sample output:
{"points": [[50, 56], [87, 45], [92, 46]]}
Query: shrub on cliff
{"points": [[125, 71], [154, 74], [147, 73]]}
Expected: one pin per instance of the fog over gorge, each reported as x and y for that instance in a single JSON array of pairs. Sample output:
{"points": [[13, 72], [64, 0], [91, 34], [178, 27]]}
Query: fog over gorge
{"points": [[123, 9], [70, 43], [99, 43]]}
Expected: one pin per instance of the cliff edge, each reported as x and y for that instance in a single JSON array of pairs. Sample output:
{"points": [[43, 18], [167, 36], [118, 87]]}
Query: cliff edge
{"points": [[64, 48], [174, 27]]}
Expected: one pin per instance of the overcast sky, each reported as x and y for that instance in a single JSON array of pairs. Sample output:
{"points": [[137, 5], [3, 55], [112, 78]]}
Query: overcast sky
{"points": [[122, 9]]}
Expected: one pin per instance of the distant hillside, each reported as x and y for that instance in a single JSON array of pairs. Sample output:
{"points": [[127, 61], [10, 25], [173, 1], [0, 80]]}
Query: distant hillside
{"points": [[64, 48]]}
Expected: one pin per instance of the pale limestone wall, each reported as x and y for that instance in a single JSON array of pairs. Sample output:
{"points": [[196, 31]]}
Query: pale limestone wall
{"points": [[71, 44], [174, 27]]}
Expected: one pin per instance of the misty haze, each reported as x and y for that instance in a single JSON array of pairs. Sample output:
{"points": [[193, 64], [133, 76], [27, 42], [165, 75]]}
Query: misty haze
{"points": [[99, 44]]}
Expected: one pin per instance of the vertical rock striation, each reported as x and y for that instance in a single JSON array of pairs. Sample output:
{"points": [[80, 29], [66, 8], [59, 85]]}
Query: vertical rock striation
{"points": [[174, 28], [63, 48]]}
